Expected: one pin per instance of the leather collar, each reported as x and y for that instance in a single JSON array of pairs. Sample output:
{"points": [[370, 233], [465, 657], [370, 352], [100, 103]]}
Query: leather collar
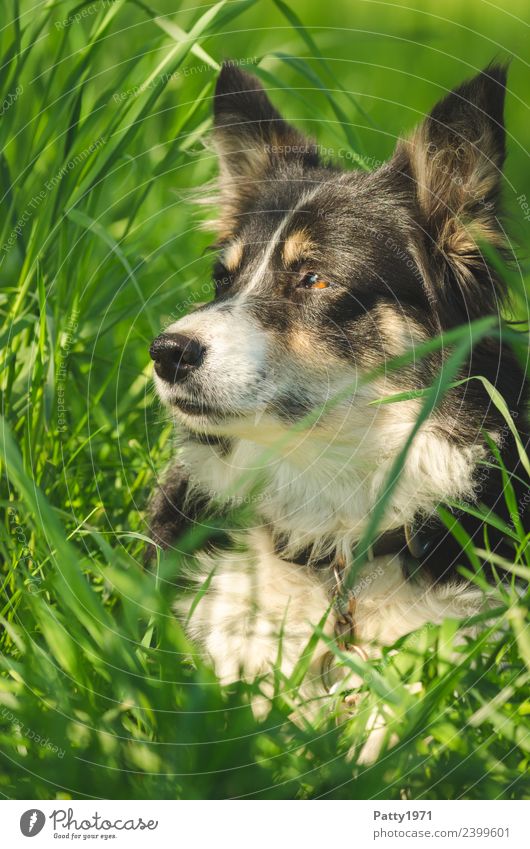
{"points": [[413, 541]]}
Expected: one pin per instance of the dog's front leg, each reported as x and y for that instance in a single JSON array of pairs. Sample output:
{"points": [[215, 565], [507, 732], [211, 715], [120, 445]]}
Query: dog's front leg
{"points": [[258, 612]]}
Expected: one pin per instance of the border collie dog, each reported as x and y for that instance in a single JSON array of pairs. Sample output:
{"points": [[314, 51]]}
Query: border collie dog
{"points": [[323, 278]]}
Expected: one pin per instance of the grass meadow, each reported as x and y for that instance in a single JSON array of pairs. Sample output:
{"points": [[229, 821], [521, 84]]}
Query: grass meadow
{"points": [[104, 109]]}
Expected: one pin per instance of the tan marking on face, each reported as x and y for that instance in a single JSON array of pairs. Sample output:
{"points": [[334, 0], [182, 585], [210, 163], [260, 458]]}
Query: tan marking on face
{"points": [[296, 247], [399, 332], [311, 349], [233, 254]]}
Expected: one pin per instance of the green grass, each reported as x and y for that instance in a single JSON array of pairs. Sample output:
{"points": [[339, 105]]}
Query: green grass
{"points": [[100, 148]]}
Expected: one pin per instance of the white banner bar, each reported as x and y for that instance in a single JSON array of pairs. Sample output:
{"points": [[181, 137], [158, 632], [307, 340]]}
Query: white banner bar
{"points": [[267, 824]]}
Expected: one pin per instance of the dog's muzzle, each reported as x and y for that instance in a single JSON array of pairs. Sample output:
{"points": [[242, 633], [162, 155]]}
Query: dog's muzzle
{"points": [[175, 356]]}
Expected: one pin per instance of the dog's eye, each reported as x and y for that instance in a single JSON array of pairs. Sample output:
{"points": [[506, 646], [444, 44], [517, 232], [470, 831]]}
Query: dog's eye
{"points": [[312, 280]]}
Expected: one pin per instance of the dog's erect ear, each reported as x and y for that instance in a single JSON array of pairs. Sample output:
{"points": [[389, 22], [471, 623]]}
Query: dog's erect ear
{"points": [[251, 138], [455, 160]]}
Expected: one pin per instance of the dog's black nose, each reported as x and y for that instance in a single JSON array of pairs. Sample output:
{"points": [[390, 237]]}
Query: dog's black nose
{"points": [[175, 356]]}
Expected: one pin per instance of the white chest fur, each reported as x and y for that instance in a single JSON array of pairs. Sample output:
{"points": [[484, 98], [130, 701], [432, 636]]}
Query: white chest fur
{"points": [[319, 490]]}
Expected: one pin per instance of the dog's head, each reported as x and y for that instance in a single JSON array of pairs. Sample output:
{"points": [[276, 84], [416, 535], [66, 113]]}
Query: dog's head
{"points": [[322, 273]]}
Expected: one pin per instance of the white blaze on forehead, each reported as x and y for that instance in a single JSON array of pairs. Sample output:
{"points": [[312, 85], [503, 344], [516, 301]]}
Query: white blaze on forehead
{"points": [[276, 238]]}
